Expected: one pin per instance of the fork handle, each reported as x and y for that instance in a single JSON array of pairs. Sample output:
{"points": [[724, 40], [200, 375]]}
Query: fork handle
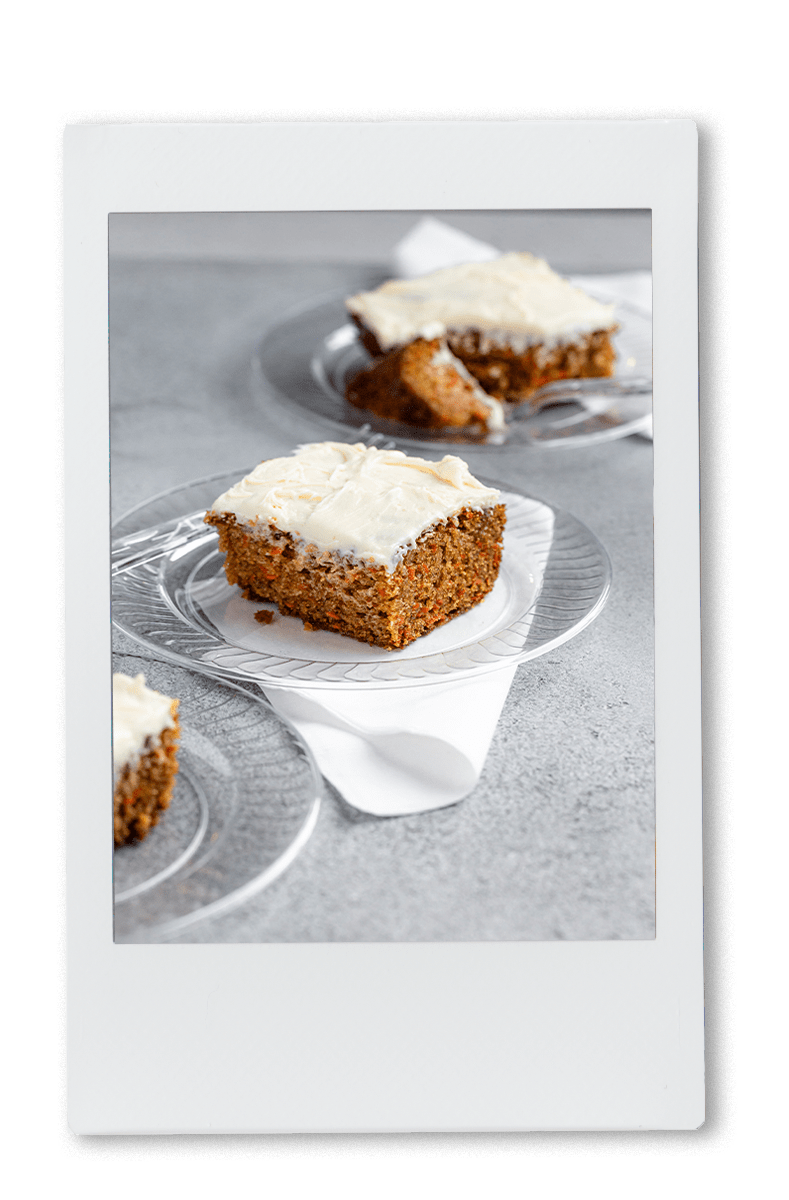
{"points": [[157, 542]]}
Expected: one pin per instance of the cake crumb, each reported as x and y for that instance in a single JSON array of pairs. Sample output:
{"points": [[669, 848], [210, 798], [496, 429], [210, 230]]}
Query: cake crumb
{"points": [[264, 615]]}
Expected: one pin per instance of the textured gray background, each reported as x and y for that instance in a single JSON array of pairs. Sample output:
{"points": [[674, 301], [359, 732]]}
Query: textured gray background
{"points": [[605, 240]]}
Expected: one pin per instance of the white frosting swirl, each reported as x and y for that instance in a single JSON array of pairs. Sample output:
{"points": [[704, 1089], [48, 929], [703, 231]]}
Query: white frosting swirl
{"points": [[355, 500], [138, 712], [516, 300]]}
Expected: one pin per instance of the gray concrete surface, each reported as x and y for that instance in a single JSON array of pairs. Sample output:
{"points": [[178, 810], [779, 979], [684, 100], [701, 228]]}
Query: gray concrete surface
{"points": [[603, 240]]}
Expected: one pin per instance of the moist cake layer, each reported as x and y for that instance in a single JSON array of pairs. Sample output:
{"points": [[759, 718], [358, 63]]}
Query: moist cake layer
{"points": [[451, 568], [515, 377]]}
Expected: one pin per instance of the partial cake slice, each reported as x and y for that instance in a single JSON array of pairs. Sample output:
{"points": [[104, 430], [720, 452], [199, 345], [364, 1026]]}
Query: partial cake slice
{"points": [[145, 735], [514, 323], [364, 542], [424, 384]]}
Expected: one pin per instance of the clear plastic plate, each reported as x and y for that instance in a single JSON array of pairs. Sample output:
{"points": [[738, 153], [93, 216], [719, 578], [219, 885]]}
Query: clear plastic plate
{"points": [[170, 594], [307, 358], [245, 803]]}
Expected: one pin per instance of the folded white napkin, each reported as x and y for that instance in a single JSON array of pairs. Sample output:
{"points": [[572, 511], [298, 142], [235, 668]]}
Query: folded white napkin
{"points": [[632, 286], [400, 751], [431, 245]]}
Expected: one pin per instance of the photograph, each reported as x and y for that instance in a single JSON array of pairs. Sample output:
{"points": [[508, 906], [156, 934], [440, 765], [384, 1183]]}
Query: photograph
{"points": [[382, 576], [383, 586]]}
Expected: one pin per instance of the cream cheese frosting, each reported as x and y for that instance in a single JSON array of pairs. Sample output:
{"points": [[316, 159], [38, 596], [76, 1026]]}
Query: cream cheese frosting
{"points": [[355, 500], [138, 712], [515, 300]]}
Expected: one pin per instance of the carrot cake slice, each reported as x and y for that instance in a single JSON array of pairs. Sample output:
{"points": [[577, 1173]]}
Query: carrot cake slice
{"points": [[513, 322], [424, 384], [368, 543], [144, 744]]}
